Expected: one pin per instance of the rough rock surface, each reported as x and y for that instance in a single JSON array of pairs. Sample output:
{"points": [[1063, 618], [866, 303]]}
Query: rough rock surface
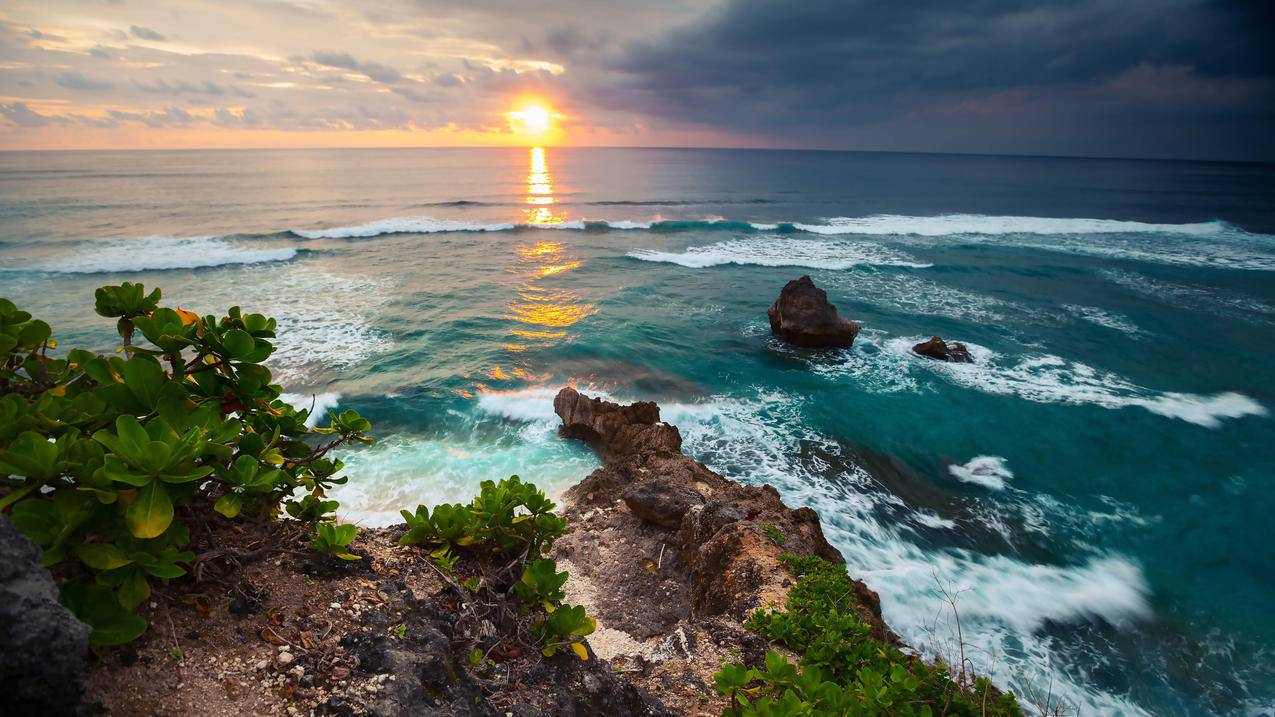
{"points": [[802, 316], [42, 646], [299, 634], [937, 348], [671, 557]]}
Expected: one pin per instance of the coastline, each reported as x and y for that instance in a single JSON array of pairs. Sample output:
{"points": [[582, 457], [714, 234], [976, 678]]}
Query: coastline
{"points": [[668, 556]]}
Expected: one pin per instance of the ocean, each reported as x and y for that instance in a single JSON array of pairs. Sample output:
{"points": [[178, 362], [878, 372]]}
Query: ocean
{"points": [[1094, 487]]}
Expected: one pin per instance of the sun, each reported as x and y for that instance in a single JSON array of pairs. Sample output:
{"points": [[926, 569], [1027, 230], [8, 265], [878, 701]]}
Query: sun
{"points": [[533, 119]]}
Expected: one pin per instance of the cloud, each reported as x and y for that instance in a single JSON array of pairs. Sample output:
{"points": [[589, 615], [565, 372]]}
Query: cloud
{"points": [[18, 113], [826, 70], [76, 81], [145, 33], [372, 70], [177, 87]]}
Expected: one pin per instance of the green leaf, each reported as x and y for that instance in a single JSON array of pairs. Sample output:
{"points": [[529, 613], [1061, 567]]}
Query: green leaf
{"points": [[150, 513], [101, 556], [229, 504], [134, 591], [238, 343], [117, 630]]}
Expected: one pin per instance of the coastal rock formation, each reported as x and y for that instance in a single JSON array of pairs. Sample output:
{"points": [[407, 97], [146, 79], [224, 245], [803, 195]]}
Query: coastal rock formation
{"points": [[937, 348], [42, 646], [671, 557], [802, 316]]}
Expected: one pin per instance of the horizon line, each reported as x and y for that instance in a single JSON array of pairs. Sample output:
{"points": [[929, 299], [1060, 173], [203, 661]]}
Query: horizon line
{"points": [[1118, 158]]}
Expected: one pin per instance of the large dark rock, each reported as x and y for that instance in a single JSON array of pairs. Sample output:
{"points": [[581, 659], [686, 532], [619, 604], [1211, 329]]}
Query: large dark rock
{"points": [[938, 349], [802, 316], [615, 430], [661, 501], [42, 646]]}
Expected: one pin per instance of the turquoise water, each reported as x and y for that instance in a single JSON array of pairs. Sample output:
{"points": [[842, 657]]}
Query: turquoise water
{"points": [[1097, 483]]}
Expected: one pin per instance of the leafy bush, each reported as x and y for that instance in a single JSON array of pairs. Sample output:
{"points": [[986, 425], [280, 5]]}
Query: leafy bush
{"points": [[108, 462], [843, 670], [506, 518], [509, 521]]}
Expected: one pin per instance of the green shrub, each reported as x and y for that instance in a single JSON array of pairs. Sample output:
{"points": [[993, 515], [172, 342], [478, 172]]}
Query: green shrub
{"points": [[513, 522], [505, 518], [843, 670], [107, 462]]}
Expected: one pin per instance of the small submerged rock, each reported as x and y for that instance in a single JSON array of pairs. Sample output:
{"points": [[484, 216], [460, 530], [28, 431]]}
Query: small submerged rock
{"points": [[940, 350], [802, 316]]}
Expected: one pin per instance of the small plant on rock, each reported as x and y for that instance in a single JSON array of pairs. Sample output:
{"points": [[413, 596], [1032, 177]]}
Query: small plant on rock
{"points": [[334, 540], [843, 669]]}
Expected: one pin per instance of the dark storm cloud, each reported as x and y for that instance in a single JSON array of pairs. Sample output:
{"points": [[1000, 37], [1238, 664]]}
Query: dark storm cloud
{"points": [[835, 68]]}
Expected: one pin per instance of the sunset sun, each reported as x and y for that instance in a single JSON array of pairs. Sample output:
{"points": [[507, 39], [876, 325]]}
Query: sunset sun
{"points": [[532, 119]]}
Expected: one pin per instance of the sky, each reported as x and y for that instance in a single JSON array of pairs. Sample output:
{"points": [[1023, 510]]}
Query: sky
{"points": [[1126, 78]]}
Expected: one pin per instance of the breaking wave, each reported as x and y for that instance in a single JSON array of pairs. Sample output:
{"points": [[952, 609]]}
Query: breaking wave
{"points": [[1052, 379], [987, 471], [160, 253], [781, 251], [948, 224]]}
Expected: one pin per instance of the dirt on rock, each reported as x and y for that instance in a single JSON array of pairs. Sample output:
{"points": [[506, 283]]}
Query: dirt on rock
{"points": [[296, 634]]}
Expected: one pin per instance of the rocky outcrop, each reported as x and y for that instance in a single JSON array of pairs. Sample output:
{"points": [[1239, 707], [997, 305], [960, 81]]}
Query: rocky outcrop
{"points": [[937, 348], [616, 430], [802, 316], [42, 646], [671, 557]]}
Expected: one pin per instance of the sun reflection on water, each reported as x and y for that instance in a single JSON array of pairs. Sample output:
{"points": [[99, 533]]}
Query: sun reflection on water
{"points": [[540, 192], [544, 313]]}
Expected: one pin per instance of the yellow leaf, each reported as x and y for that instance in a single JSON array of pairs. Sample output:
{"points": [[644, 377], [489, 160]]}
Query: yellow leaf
{"points": [[581, 651], [57, 391], [187, 317], [151, 513], [52, 344]]}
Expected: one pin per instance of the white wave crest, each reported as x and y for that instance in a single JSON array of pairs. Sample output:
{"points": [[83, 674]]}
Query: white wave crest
{"points": [[159, 253], [399, 225], [987, 471], [948, 224], [317, 404], [1051, 379], [1102, 317], [403, 471], [781, 251], [528, 405]]}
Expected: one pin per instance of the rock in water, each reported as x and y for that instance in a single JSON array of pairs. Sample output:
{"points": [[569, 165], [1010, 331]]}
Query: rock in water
{"points": [[802, 316], [42, 646], [937, 348]]}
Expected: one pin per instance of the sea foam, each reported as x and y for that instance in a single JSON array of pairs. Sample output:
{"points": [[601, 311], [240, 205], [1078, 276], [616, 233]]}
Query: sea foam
{"points": [[781, 251], [987, 471], [318, 404], [1051, 379], [949, 224], [158, 253]]}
